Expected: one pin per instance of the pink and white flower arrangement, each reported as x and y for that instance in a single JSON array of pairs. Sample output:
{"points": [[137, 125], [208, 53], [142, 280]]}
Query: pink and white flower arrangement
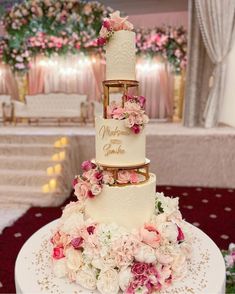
{"points": [[113, 24], [91, 182], [111, 258], [133, 112]]}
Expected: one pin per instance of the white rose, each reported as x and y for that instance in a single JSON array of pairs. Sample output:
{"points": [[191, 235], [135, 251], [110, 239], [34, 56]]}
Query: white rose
{"points": [[124, 278], [71, 208], [104, 263], [108, 282], [169, 205], [59, 267], [145, 253], [96, 189], [74, 259], [71, 223], [86, 277], [169, 231]]}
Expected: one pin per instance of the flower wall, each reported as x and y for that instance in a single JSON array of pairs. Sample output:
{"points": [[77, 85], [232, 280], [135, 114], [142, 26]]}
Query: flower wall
{"points": [[60, 27]]}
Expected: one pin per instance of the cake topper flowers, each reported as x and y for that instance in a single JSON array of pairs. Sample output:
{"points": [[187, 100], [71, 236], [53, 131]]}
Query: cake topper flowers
{"points": [[111, 25]]}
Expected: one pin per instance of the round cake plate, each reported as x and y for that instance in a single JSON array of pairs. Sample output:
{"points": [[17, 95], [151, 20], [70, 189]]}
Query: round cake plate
{"points": [[33, 270], [147, 161]]}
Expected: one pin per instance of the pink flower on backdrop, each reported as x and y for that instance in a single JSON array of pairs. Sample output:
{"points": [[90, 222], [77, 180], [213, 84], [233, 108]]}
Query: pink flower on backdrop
{"points": [[150, 236], [58, 252]]}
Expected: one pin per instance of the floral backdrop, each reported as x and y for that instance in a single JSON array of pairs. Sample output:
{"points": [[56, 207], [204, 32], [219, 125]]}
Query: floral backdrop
{"points": [[60, 27]]}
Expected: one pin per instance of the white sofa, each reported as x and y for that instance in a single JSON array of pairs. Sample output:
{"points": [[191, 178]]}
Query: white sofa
{"points": [[57, 106]]}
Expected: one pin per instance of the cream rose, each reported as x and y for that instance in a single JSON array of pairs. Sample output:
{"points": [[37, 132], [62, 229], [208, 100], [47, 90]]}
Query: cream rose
{"points": [[81, 189], [59, 267], [145, 253], [123, 176], [86, 277], [74, 259], [179, 266], [108, 282], [71, 223], [169, 231], [71, 208], [124, 278], [108, 177], [96, 189], [130, 121]]}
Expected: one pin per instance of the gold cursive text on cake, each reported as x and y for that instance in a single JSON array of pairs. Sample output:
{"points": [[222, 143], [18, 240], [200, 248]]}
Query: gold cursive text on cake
{"points": [[109, 149], [115, 132]]}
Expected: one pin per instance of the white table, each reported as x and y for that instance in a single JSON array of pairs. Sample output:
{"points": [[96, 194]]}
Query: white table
{"points": [[33, 268]]}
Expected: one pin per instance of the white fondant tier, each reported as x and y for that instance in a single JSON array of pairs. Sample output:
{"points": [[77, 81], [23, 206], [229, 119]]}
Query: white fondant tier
{"points": [[129, 206], [120, 56], [117, 145]]}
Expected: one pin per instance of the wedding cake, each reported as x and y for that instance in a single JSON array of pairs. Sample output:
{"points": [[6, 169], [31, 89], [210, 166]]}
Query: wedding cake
{"points": [[120, 235]]}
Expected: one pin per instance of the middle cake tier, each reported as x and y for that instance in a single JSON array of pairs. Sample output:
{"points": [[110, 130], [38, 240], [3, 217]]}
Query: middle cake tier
{"points": [[117, 145], [129, 206]]}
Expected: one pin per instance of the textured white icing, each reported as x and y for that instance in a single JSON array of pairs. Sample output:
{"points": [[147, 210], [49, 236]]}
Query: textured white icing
{"points": [[129, 206], [129, 147], [120, 56]]}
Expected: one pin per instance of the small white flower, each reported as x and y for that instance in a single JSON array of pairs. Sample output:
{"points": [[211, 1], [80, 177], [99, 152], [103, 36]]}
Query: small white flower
{"points": [[74, 259], [71, 223], [169, 205], [169, 231]]}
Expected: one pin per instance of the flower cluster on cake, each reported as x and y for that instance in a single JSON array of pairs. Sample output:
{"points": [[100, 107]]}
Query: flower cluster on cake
{"points": [[120, 235]]}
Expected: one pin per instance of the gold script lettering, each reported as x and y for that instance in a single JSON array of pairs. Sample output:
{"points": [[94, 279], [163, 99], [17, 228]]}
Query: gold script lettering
{"points": [[109, 149], [116, 132]]}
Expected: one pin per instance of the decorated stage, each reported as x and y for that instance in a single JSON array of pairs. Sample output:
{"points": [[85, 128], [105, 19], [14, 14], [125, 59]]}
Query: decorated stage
{"points": [[179, 156]]}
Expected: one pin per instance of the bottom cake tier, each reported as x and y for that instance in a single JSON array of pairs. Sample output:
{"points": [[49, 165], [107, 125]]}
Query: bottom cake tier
{"points": [[112, 258], [130, 206]]}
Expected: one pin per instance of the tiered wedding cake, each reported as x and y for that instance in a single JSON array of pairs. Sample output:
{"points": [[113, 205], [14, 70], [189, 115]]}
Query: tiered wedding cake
{"points": [[120, 235]]}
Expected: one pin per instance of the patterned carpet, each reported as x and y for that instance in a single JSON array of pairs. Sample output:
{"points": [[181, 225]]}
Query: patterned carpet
{"points": [[212, 210]]}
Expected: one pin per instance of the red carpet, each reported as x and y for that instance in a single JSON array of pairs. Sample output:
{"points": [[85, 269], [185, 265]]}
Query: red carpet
{"points": [[210, 209]]}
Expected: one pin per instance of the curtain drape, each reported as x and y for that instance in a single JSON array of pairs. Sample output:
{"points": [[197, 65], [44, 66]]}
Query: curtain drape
{"points": [[199, 70], [36, 76], [98, 67], [156, 84], [8, 84], [216, 21]]}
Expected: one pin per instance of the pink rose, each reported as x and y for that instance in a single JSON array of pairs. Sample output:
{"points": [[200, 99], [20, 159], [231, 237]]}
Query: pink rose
{"points": [[123, 177], [139, 268], [136, 129], [58, 252], [130, 121], [106, 24], [90, 194], [118, 113], [74, 182], [77, 242], [81, 189], [98, 176], [87, 165], [150, 236], [90, 230], [180, 237], [142, 101], [78, 45], [134, 177]]}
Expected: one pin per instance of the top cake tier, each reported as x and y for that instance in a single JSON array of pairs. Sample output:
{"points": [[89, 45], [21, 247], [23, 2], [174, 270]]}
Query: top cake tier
{"points": [[120, 56]]}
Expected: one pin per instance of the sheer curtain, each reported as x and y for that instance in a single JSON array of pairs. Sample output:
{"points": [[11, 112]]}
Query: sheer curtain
{"points": [[216, 20], [156, 84]]}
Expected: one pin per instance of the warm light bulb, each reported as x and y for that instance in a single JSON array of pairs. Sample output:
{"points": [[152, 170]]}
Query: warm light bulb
{"points": [[45, 188], [64, 141], [56, 157], [62, 155], [57, 169], [52, 184], [50, 171], [57, 144]]}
